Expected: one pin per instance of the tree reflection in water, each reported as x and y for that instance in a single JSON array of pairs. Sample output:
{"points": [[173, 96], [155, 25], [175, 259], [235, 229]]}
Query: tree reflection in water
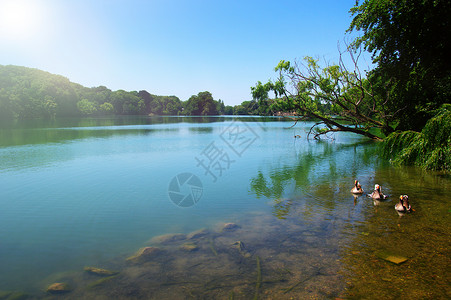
{"points": [[315, 176], [315, 185]]}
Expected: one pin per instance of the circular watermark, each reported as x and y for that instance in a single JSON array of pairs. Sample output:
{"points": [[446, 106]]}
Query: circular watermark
{"points": [[185, 189]]}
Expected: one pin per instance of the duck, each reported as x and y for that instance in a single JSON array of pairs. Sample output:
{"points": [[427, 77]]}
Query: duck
{"points": [[377, 194], [357, 189], [403, 205]]}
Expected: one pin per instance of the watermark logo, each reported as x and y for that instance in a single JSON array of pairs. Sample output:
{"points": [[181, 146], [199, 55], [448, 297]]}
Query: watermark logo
{"points": [[238, 137], [185, 189], [214, 160]]}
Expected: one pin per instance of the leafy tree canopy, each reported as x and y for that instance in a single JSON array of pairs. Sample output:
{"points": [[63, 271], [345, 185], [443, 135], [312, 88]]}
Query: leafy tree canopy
{"points": [[409, 43], [412, 77], [32, 93], [340, 99], [428, 149], [203, 104]]}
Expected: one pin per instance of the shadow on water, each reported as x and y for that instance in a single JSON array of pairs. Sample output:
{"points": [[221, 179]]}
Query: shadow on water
{"points": [[35, 132], [17, 132], [201, 129], [124, 120]]}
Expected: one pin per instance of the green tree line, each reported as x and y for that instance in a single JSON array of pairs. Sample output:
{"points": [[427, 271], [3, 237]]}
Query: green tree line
{"points": [[32, 93]]}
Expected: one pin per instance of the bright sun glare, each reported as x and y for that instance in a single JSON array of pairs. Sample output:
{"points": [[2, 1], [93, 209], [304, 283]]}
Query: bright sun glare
{"points": [[20, 19]]}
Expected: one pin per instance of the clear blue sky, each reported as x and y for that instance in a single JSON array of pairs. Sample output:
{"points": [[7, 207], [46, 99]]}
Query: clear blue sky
{"points": [[170, 47]]}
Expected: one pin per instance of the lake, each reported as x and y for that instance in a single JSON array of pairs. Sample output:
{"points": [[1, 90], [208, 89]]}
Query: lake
{"points": [[228, 208]]}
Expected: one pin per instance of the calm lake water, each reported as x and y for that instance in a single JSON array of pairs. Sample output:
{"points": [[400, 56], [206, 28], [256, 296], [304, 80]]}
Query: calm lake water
{"points": [[91, 192]]}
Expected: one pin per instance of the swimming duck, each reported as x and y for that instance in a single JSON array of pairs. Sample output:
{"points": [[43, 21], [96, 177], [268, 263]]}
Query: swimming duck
{"points": [[377, 194], [357, 189], [403, 205]]}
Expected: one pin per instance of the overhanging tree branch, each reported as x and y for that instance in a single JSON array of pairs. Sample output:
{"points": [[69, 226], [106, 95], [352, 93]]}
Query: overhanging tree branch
{"points": [[342, 100]]}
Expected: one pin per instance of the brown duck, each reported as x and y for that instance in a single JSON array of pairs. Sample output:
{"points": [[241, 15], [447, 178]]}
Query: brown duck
{"points": [[357, 189], [403, 205]]}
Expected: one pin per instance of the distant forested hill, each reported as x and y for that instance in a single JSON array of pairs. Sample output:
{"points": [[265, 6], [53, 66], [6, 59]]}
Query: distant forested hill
{"points": [[32, 93]]}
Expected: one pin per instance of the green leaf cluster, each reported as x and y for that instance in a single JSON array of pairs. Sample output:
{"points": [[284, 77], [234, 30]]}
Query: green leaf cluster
{"points": [[342, 100], [429, 149], [409, 43], [203, 104], [411, 78]]}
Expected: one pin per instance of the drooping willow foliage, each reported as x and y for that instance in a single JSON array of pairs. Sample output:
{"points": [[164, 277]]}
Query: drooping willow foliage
{"points": [[429, 149]]}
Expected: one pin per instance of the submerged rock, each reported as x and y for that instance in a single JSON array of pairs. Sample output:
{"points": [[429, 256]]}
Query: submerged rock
{"points": [[14, 296], [145, 253], [394, 258], [58, 288], [189, 247], [230, 227], [197, 234], [100, 281], [167, 238], [240, 246], [100, 272], [5, 294]]}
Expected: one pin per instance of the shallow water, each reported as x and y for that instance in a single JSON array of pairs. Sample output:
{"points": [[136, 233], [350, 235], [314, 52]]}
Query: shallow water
{"points": [[91, 192]]}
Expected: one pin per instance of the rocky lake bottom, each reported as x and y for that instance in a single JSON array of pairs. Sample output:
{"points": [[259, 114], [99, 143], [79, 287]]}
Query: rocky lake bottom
{"points": [[266, 257]]}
